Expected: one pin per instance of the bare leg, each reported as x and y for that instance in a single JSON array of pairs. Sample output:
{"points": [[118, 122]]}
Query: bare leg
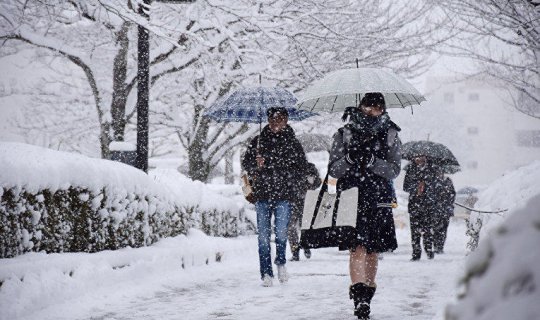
{"points": [[363, 266], [372, 264]]}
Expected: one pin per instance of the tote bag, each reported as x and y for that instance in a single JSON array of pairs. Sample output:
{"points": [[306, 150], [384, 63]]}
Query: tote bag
{"points": [[329, 220]]}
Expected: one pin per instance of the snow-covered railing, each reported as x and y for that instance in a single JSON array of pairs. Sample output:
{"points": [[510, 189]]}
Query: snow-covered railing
{"points": [[60, 202]]}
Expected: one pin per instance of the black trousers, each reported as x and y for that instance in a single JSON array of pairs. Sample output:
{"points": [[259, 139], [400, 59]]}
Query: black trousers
{"points": [[421, 229], [440, 228], [293, 230]]}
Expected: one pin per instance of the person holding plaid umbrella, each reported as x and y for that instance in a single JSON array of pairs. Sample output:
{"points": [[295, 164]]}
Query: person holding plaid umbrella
{"points": [[273, 160]]}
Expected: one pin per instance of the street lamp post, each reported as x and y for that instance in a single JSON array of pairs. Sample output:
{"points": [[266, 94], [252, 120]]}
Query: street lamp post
{"points": [[143, 62]]}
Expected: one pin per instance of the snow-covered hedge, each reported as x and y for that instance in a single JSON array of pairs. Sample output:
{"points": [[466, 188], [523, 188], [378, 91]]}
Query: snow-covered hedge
{"points": [[511, 191], [60, 202], [502, 277]]}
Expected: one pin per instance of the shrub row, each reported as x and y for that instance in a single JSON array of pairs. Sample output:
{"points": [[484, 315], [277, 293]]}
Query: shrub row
{"points": [[79, 220]]}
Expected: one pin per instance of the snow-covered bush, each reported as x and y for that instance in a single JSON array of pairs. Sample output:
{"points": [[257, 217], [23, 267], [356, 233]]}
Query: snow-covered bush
{"points": [[511, 191], [502, 277], [60, 202]]}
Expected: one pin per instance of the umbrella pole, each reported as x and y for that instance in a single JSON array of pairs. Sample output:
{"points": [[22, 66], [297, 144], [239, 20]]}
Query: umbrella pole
{"points": [[260, 129], [259, 139]]}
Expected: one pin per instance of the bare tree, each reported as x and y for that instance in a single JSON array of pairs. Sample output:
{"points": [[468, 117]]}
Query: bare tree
{"points": [[503, 37], [97, 37], [202, 53]]}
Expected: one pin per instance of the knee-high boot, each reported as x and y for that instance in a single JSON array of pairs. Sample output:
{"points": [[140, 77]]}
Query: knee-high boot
{"points": [[361, 294]]}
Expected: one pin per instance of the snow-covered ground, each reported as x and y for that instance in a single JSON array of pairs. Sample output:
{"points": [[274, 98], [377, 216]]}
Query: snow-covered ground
{"points": [[150, 283], [195, 276]]}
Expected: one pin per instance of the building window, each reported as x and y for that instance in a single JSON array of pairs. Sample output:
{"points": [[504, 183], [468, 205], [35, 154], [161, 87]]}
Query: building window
{"points": [[472, 165], [474, 97], [449, 97], [472, 130], [528, 138]]}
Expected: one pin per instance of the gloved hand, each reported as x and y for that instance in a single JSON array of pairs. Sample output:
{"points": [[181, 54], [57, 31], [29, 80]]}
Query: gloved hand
{"points": [[364, 157]]}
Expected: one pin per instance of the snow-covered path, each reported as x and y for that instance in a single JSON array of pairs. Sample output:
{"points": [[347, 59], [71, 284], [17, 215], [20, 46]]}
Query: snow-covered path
{"points": [[317, 289]]}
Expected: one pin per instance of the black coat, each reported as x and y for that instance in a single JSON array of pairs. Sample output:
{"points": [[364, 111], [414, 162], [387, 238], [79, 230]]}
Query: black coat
{"points": [[375, 225], [424, 203], [284, 162], [445, 197], [308, 179]]}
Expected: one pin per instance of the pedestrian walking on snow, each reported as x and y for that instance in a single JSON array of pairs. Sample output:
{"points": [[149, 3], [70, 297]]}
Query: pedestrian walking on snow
{"points": [[421, 179], [444, 210], [366, 154], [306, 180], [272, 160]]}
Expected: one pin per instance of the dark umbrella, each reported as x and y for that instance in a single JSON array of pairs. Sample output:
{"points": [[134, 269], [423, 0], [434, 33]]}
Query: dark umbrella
{"points": [[437, 152]]}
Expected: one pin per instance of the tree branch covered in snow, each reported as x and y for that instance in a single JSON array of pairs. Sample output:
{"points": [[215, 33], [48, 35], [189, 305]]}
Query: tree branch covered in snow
{"points": [[503, 37], [202, 51]]}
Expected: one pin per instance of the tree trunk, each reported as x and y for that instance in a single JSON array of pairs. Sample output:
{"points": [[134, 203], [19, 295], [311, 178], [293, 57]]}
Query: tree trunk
{"points": [[229, 172], [199, 168], [119, 95], [105, 140]]}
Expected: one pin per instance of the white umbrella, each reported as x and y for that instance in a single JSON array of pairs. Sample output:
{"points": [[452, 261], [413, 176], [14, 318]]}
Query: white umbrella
{"points": [[344, 88]]}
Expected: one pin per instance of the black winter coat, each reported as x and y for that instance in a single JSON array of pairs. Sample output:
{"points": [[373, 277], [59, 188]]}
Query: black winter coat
{"points": [[284, 162], [375, 225], [445, 195], [309, 179], [426, 202]]}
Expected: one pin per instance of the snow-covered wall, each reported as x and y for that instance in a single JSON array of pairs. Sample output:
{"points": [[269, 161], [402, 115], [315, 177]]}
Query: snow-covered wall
{"points": [[61, 202]]}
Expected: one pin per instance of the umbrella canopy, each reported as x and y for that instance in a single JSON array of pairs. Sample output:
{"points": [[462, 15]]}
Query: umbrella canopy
{"points": [[250, 105], [436, 151], [345, 88]]}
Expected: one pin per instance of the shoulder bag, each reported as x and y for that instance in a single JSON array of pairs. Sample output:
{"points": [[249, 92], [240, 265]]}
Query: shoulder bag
{"points": [[329, 220]]}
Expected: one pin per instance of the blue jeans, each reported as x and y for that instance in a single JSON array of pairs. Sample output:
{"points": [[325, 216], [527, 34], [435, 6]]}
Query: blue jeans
{"points": [[281, 212]]}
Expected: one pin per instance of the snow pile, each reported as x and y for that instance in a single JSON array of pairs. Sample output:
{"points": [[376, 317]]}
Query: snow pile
{"points": [[511, 192], [502, 277], [62, 202], [33, 282]]}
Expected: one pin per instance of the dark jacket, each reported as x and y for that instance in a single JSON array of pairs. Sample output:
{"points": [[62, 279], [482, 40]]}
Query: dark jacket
{"points": [[375, 225], [428, 199], [446, 195], [308, 179], [385, 146], [284, 161]]}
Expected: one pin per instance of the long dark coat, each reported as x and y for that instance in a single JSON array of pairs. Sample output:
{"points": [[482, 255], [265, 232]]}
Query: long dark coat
{"points": [[284, 161], [422, 205], [375, 224]]}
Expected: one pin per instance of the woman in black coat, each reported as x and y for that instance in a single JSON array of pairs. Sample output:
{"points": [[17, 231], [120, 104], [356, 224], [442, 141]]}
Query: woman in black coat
{"points": [[366, 154]]}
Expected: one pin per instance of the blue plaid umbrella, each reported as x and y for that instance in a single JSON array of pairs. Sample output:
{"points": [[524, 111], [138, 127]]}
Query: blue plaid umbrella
{"points": [[250, 105]]}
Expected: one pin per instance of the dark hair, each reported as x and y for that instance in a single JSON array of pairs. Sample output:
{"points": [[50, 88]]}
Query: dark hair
{"points": [[276, 111], [371, 99]]}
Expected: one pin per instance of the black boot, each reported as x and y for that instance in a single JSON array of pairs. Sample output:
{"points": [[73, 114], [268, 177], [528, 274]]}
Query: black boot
{"points": [[361, 295]]}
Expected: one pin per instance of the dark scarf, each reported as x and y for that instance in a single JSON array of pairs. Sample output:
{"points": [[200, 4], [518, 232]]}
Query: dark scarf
{"points": [[364, 125]]}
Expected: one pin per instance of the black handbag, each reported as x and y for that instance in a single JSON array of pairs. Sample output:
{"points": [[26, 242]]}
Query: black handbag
{"points": [[329, 220]]}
